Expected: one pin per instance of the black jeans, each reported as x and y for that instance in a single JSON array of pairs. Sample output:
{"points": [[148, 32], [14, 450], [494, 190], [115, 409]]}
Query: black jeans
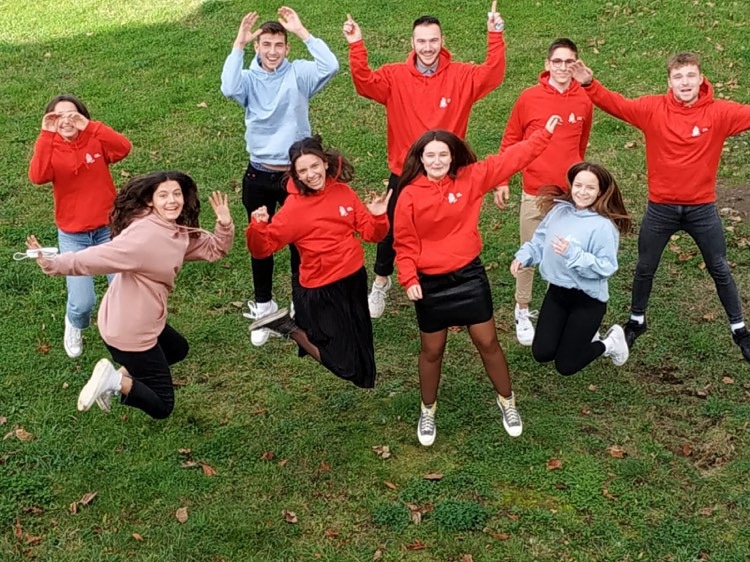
{"points": [[386, 255], [152, 390], [258, 189], [703, 224], [568, 320]]}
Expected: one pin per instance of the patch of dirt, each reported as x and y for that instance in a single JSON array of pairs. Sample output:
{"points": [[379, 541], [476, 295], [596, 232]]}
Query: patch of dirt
{"points": [[734, 197]]}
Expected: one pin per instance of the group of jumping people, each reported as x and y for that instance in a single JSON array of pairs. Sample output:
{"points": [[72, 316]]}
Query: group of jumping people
{"points": [[296, 193]]}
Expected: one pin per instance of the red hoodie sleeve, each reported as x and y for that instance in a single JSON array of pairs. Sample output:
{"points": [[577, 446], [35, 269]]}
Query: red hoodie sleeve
{"points": [[265, 238], [637, 111], [586, 131], [489, 75], [115, 146], [371, 228], [406, 241], [375, 85], [736, 116], [40, 167], [513, 132], [491, 171]]}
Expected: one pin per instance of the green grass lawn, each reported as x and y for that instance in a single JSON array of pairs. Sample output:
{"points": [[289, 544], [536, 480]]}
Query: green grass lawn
{"points": [[274, 458]]}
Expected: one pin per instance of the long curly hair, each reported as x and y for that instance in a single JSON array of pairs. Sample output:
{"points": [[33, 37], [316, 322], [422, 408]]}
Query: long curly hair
{"points": [[135, 198], [338, 168], [461, 155], [608, 204]]}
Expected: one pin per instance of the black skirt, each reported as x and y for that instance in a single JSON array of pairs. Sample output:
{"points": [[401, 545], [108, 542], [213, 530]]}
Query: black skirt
{"points": [[337, 321], [458, 298]]}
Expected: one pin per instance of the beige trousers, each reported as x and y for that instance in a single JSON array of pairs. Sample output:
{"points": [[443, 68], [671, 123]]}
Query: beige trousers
{"points": [[529, 219]]}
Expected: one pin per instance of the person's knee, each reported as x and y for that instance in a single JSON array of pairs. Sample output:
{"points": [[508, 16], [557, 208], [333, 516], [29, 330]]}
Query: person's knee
{"points": [[719, 269], [565, 366], [541, 352], [487, 346], [433, 353], [165, 409]]}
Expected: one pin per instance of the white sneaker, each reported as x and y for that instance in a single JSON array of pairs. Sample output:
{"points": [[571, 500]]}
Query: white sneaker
{"points": [[616, 346], [426, 429], [257, 311], [104, 381], [524, 327], [72, 340], [511, 418], [376, 299]]}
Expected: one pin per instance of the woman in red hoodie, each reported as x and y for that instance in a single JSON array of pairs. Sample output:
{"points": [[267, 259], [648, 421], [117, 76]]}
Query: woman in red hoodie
{"points": [[437, 244], [155, 229], [74, 153], [322, 217]]}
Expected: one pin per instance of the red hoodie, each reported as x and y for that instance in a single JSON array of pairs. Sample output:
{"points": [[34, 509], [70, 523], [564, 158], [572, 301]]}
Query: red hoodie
{"points": [[436, 223], [530, 113], [79, 171], [683, 143], [415, 103], [323, 227]]}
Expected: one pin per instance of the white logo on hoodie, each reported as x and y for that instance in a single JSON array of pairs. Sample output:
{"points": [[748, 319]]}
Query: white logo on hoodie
{"points": [[696, 131], [453, 198], [572, 118], [344, 211], [89, 159], [444, 102]]}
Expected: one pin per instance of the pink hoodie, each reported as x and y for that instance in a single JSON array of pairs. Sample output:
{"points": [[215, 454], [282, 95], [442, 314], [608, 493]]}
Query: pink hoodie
{"points": [[147, 256]]}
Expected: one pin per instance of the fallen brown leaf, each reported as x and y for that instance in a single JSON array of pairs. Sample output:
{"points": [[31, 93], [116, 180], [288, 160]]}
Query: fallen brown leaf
{"points": [[378, 554], [383, 451], [593, 387], [467, 558], [283, 462], [259, 412], [184, 451], [181, 514], [585, 411], [706, 511], [137, 537], [17, 529], [324, 467], [267, 456], [554, 464], [32, 540], [208, 470], [203, 104], [289, 516], [496, 535], [433, 476], [331, 533], [615, 451], [416, 545], [3, 420], [727, 380], [390, 485], [686, 450], [607, 494], [43, 349], [87, 498]]}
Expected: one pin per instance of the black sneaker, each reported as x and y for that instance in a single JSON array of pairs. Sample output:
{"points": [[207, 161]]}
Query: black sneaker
{"points": [[634, 329], [742, 338], [279, 322]]}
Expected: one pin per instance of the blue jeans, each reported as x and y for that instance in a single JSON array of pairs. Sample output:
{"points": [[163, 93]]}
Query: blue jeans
{"points": [[702, 224], [81, 295]]}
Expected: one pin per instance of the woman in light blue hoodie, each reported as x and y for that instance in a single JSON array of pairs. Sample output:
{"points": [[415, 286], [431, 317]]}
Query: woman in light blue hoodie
{"points": [[575, 247]]}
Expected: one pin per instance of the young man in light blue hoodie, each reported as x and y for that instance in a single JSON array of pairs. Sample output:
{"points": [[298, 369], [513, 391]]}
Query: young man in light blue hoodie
{"points": [[275, 94]]}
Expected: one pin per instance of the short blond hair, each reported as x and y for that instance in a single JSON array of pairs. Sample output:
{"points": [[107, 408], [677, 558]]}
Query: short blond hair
{"points": [[682, 59]]}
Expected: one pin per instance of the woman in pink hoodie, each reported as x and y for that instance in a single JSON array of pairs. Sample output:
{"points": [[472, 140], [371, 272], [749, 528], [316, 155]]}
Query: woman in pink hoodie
{"points": [[155, 229]]}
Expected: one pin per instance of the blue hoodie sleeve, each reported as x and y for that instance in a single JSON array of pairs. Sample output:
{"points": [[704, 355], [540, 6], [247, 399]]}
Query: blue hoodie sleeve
{"points": [[600, 261], [531, 252], [313, 75], [234, 85]]}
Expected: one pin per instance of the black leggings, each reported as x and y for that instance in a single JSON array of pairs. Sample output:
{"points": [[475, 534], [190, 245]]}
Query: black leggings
{"points": [[152, 390], [568, 320]]}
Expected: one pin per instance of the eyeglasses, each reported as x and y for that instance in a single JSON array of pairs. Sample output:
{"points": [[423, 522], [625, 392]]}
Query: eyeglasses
{"points": [[557, 63]]}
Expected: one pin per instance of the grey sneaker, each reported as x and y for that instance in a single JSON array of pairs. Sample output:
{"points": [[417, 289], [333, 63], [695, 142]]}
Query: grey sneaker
{"points": [[616, 345], [511, 418], [426, 429], [376, 299]]}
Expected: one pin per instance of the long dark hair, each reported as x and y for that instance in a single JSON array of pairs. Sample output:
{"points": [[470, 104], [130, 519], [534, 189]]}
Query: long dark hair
{"points": [[461, 155], [608, 204], [134, 200], [80, 106], [338, 168]]}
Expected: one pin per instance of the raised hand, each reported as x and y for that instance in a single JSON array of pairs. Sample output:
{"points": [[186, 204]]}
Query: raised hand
{"points": [[49, 122], [495, 23], [552, 123], [581, 73], [220, 205], [291, 22], [378, 203], [352, 32], [78, 121], [414, 293], [246, 34], [260, 214]]}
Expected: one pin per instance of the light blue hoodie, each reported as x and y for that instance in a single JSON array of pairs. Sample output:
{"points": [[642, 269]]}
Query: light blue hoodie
{"points": [[276, 103], [591, 257]]}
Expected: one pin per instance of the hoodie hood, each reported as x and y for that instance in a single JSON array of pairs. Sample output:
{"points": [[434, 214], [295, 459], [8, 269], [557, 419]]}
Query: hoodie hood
{"points": [[257, 69], [550, 89], [705, 97], [444, 59]]}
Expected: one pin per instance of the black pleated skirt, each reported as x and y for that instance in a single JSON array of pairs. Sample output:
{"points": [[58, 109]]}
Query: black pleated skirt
{"points": [[337, 321], [458, 298]]}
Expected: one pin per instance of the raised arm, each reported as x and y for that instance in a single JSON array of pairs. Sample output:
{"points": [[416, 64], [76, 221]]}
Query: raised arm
{"points": [[374, 85], [371, 218], [232, 84], [637, 112], [40, 167], [115, 145], [312, 76], [485, 77], [213, 247], [264, 238]]}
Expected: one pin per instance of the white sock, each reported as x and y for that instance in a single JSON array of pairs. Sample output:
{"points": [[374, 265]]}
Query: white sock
{"points": [[737, 326], [640, 318], [264, 307]]}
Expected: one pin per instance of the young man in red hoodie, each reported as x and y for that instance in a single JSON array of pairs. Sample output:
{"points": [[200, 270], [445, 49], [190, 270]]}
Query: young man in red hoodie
{"points": [[556, 93], [685, 130], [427, 91]]}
